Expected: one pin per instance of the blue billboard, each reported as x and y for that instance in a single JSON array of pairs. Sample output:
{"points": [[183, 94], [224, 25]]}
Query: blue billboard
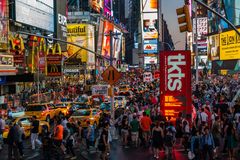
{"points": [[150, 46]]}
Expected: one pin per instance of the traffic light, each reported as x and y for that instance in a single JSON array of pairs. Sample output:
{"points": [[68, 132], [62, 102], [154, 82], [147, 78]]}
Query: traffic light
{"points": [[184, 19], [18, 45]]}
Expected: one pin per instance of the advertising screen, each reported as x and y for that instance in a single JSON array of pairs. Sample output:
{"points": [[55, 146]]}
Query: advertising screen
{"points": [[229, 45], [213, 47], [3, 25], [175, 86], [149, 5], [123, 48], [77, 33], [117, 43], [100, 37], [106, 39], [150, 46], [150, 60], [91, 44], [96, 5], [150, 26], [37, 13], [107, 7]]}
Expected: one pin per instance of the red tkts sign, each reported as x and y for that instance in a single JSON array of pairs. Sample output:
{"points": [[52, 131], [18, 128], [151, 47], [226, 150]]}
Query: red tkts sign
{"points": [[175, 82]]}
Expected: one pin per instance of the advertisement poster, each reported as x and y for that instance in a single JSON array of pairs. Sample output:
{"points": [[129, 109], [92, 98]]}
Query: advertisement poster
{"points": [[150, 60], [100, 37], [150, 46], [100, 90], [117, 44], [54, 68], [91, 44], [77, 33], [149, 5], [107, 7], [3, 25], [37, 13], [106, 39], [123, 48], [147, 77], [229, 45], [175, 86], [214, 47], [96, 5], [150, 26]]}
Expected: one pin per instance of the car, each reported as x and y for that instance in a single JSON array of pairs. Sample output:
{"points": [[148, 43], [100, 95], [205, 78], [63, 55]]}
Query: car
{"points": [[120, 101], [62, 108], [84, 115], [43, 111], [26, 124], [78, 106]]}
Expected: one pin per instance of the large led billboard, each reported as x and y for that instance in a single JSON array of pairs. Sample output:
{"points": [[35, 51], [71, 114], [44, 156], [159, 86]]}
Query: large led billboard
{"points": [[149, 18], [100, 37], [91, 44], [229, 45], [37, 13], [175, 86], [117, 43], [106, 39], [77, 33], [96, 5], [3, 25]]}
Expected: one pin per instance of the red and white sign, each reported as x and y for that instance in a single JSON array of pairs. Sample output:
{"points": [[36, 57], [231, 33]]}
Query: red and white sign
{"points": [[175, 86]]}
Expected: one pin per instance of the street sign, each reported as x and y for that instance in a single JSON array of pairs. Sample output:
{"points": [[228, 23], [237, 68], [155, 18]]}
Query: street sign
{"points": [[111, 75]]}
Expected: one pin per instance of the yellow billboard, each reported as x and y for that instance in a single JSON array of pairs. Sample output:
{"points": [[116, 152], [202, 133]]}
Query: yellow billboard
{"points": [[77, 33], [229, 45]]}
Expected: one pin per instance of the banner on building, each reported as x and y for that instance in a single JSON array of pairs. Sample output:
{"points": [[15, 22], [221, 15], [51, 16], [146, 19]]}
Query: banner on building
{"points": [[3, 25], [97, 5], [229, 45], [54, 68], [175, 86], [108, 26]]}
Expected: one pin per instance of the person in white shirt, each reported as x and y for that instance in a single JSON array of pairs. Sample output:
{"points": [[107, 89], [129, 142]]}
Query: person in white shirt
{"points": [[203, 117]]}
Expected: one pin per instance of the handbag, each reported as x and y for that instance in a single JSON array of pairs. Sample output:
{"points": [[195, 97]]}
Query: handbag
{"points": [[191, 155]]}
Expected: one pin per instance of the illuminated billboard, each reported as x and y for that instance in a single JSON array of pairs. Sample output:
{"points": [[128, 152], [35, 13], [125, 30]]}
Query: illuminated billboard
{"points": [[175, 86], [77, 33], [150, 60], [117, 43], [149, 20], [213, 47], [3, 25], [37, 13], [150, 26], [150, 46], [96, 5], [91, 44], [107, 7], [229, 45], [106, 39], [100, 37]]}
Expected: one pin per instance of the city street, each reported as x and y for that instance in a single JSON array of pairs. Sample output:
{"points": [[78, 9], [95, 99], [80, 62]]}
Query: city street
{"points": [[119, 80]]}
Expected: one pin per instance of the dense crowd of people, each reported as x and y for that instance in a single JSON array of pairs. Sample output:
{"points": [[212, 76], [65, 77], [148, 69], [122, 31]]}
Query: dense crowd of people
{"points": [[208, 134]]}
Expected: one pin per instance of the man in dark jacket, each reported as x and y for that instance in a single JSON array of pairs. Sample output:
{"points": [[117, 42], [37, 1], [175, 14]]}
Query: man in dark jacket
{"points": [[13, 138]]}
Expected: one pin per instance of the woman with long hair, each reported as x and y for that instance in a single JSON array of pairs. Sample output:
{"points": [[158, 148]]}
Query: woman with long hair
{"points": [[157, 139]]}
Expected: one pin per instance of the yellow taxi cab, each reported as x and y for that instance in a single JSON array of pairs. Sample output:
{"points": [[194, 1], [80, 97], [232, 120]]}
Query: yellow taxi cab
{"points": [[26, 124], [43, 111], [62, 108], [84, 115], [124, 88]]}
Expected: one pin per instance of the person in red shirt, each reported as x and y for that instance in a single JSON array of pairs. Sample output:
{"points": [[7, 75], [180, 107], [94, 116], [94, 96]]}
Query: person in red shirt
{"points": [[146, 127]]}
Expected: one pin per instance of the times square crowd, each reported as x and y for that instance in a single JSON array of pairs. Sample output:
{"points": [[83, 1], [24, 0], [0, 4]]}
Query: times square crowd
{"points": [[212, 131]]}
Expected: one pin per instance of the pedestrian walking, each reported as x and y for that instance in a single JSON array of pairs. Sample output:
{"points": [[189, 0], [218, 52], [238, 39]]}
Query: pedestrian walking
{"points": [[207, 143], [145, 124], [103, 142], [12, 139], [35, 132], [2, 127], [157, 139], [134, 125]]}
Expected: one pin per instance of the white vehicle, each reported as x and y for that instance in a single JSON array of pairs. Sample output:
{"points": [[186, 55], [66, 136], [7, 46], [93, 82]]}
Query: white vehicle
{"points": [[120, 101]]}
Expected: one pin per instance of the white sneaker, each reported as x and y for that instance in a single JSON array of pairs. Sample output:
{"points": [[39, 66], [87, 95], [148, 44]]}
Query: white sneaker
{"points": [[73, 158]]}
